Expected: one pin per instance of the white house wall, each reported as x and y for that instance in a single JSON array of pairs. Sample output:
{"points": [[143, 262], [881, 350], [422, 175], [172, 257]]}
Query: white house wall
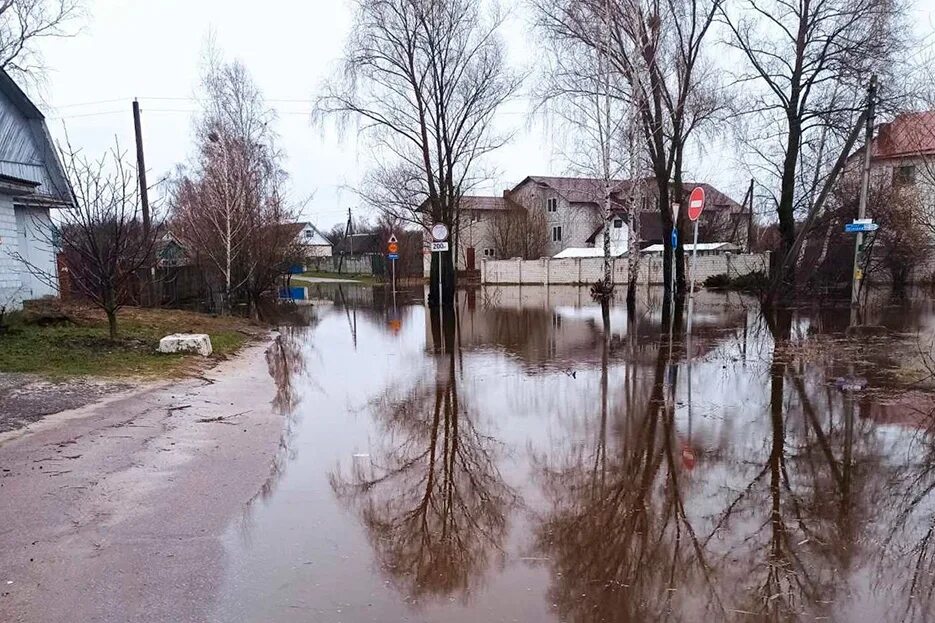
{"points": [[578, 221], [22, 234], [33, 228], [10, 281]]}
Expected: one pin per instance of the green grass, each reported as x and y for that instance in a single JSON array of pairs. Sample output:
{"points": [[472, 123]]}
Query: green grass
{"points": [[86, 349]]}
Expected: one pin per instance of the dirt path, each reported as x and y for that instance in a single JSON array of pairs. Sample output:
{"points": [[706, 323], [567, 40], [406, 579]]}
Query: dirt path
{"points": [[113, 512]]}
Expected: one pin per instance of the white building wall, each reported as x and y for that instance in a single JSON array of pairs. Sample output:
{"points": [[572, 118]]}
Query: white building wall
{"points": [[10, 280], [23, 233], [35, 226]]}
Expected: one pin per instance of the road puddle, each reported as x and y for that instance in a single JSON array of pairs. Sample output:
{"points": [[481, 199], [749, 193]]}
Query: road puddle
{"points": [[536, 458]]}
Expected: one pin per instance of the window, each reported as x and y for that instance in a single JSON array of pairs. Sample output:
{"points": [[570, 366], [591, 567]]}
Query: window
{"points": [[557, 234], [618, 223], [551, 204], [308, 234], [904, 176], [488, 253]]}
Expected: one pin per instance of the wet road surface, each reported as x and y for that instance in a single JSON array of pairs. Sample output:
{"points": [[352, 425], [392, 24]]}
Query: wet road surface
{"points": [[115, 512], [534, 459]]}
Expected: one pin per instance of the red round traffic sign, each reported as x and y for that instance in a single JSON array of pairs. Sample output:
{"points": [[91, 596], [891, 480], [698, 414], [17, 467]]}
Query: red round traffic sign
{"points": [[696, 203], [392, 247]]}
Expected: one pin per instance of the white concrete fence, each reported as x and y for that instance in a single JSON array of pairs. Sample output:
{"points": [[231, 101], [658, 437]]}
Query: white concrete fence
{"points": [[573, 271]]}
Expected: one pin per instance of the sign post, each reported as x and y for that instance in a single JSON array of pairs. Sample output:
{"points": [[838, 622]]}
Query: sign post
{"points": [[675, 244], [440, 245], [695, 208], [859, 226], [392, 252]]}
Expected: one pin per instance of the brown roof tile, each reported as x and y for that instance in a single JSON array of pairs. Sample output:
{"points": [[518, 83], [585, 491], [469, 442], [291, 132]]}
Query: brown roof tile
{"points": [[909, 134]]}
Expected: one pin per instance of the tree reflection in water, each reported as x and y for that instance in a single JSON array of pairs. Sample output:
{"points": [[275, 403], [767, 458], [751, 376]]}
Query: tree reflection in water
{"points": [[618, 538], [781, 532], [431, 497]]}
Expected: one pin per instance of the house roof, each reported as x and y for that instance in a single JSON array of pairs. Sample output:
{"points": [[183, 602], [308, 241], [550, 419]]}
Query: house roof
{"points": [[591, 190], [19, 98], [27, 152], [294, 229], [574, 189], [702, 246], [910, 134], [573, 252], [488, 204]]}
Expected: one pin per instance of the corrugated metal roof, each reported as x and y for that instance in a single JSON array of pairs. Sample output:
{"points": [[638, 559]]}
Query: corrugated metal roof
{"points": [[26, 149]]}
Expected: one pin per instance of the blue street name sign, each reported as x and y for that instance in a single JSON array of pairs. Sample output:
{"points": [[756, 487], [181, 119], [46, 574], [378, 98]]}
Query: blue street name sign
{"points": [[393, 256], [675, 238], [854, 228]]}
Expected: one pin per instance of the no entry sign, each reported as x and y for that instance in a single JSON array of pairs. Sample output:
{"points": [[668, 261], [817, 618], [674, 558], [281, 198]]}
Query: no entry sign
{"points": [[696, 203]]}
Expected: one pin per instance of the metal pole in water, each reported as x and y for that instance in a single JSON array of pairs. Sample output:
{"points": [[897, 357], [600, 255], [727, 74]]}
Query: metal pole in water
{"points": [[691, 291]]}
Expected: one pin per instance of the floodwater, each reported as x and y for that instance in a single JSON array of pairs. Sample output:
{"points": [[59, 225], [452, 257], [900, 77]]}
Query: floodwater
{"points": [[533, 459]]}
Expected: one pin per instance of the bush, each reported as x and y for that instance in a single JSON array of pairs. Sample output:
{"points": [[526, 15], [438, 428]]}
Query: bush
{"points": [[756, 281]]}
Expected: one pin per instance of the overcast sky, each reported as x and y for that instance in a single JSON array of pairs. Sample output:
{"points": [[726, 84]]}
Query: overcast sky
{"points": [[150, 49]]}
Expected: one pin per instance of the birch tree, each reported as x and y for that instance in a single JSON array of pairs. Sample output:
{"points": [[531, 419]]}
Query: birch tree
{"points": [[227, 209], [424, 79], [657, 47]]}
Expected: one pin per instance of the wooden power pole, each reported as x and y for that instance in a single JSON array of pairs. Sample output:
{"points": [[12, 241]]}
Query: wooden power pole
{"points": [[141, 167], [149, 276]]}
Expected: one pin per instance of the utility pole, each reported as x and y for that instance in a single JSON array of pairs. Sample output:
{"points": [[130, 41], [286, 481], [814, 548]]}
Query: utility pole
{"points": [[858, 275], [150, 279], [141, 167], [749, 246], [347, 241]]}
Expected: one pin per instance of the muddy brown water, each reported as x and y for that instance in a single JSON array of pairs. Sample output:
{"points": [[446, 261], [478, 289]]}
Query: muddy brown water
{"points": [[521, 463]]}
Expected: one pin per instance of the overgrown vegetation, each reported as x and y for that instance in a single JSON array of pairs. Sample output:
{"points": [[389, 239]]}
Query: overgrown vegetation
{"points": [[755, 282], [79, 345]]}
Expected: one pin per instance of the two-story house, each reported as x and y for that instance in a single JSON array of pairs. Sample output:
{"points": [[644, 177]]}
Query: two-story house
{"points": [[32, 184], [572, 208]]}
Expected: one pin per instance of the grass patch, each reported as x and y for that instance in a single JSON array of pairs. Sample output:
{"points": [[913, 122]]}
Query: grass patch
{"points": [[83, 348]]}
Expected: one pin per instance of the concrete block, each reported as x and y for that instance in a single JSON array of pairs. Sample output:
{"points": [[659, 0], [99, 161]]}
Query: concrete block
{"points": [[186, 343]]}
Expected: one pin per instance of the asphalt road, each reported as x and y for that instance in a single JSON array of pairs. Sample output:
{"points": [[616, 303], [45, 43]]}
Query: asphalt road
{"points": [[114, 511]]}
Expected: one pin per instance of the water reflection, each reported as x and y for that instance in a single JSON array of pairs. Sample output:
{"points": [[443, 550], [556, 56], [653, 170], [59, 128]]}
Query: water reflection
{"points": [[534, 456], [430, 495]]}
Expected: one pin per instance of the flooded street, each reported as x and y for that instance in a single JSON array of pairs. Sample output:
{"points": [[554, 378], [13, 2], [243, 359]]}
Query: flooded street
{"points": [[519, 462]]}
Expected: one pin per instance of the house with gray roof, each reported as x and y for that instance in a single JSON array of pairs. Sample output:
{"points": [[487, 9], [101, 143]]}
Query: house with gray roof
{"points": [[33, 184], [573, 208]]}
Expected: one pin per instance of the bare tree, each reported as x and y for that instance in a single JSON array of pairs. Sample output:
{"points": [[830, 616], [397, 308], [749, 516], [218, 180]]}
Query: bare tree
{"points": [[519, 233], [102, 239], [656, 46], [229, 208], [424, 78], [24, 23], [810, 60], [591, 103]]}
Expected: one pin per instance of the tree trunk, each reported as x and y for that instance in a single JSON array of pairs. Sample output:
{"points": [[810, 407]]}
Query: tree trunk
{"points": [[678, 197], [665, 214], [786, 208], [112, 323]]}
